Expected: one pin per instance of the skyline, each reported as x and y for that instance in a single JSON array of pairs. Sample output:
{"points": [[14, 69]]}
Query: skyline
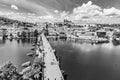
{"points": [[107, 11]]}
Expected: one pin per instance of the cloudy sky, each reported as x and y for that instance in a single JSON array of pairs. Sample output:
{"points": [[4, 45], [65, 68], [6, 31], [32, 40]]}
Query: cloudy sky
{"points": [[104, 11]]}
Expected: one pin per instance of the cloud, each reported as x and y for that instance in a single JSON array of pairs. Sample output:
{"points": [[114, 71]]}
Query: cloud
{"points": [[64, 14], [26, 17], [35, 11], [111, 11], [85, 8], [28, 5], [91, 12], [86, 12], [14, 7]]}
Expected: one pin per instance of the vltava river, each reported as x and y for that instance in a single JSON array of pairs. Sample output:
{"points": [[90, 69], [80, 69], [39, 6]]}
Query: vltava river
{"points": [[15, 51], [84, 61], [81, 61]]}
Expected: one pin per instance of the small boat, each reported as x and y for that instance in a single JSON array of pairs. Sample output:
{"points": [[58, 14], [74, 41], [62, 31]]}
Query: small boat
{"points": [[33, 45], [26, 64], [25, 70], [33, 49], [30, 54]]}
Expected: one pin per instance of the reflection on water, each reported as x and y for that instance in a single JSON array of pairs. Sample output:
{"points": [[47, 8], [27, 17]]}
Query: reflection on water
{"points": [[81, 61], [116, 43], [89, 61], [15, 51]]}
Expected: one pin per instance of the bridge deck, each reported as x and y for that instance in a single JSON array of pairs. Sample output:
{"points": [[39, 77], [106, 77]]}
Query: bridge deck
{"points": [[52, 70]]}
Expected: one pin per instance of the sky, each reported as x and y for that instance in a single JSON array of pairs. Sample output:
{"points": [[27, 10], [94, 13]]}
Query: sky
{"points": [[100, 11]]}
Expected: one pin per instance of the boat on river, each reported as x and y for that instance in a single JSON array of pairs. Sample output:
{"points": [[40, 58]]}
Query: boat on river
{"points": [[26, 64]]}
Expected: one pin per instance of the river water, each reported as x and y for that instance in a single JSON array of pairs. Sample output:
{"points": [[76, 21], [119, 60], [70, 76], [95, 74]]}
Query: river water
{"points": [[15, 51], [84, 61], [81, 61]]}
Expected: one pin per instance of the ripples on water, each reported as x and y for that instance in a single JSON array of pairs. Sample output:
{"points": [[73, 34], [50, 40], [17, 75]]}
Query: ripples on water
{"points": [[15, 51], [85, 61], [81, 61]]}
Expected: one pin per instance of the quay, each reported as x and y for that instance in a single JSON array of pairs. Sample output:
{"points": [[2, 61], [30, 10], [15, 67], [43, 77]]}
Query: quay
{"points": [[51, 70]]}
